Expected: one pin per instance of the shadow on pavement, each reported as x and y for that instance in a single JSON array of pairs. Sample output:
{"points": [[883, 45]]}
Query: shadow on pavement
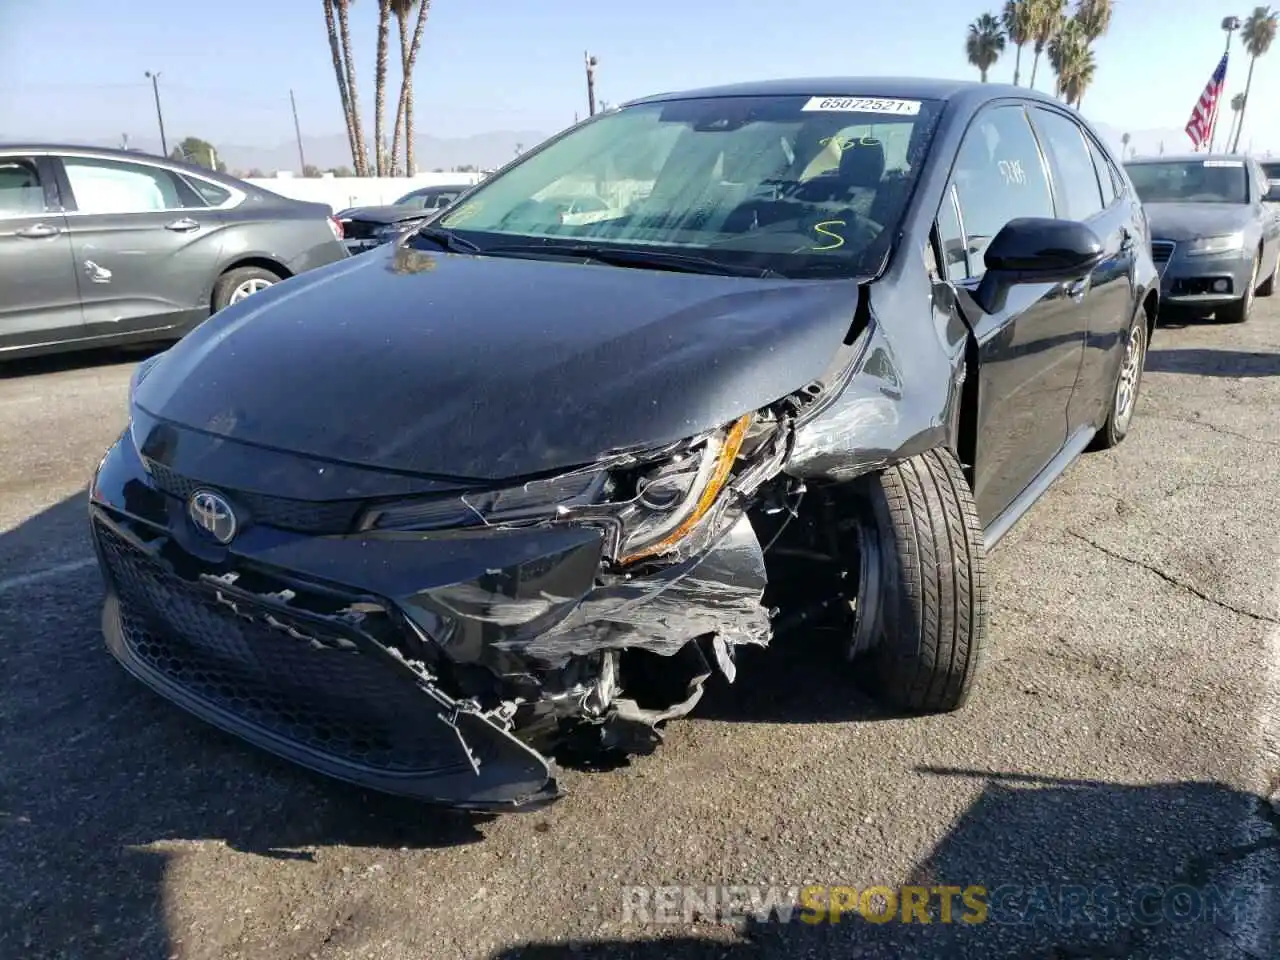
{"points": [[1214, 363], [1070, 869], [103, 782], [63, 361], [98, 774], [801, 677]]}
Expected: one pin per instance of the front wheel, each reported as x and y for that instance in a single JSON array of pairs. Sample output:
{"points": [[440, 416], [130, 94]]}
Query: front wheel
{"points": [[927, 597]]}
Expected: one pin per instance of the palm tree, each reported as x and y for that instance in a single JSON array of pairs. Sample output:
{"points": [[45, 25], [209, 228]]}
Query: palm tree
{"points": [[408, 58], [1018, 18], [335, 50], [1072, 60], [380, 88], [344, 71], [1048, 20], [1094, 17], [1258, 32], [984, 43]]}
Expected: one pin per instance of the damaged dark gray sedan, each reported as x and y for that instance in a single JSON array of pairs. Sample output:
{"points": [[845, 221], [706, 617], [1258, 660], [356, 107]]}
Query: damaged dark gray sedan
{"points": [[522, 481]]}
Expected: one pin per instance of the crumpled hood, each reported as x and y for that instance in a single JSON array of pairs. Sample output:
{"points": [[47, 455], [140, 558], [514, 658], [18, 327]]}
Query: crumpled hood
{"points": [[387, 214], [1190, 221], [489, 367]]}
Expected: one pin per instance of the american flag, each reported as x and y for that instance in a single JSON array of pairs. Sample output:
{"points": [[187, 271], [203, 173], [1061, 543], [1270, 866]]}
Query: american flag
{"points": [[1205, 115]]}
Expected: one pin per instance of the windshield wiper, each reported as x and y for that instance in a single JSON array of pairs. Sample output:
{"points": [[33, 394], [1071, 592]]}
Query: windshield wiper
{"points": [[640, 259], [446, 238]]}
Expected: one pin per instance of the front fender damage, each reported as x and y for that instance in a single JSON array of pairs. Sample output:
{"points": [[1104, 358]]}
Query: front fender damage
{"points": [[579, 655]]}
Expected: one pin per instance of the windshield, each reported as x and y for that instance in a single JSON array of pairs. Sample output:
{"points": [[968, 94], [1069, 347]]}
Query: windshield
{"points": [[1190, 181], [428, 199], [800, 186], [1272, 170]]}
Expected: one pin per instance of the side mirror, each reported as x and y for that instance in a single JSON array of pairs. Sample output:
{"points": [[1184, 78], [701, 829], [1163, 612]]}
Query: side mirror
{"points": [[1273, 193], [1036, 250]]}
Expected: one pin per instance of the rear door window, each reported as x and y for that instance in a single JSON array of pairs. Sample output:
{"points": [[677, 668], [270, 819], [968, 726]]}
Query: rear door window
{"points": [[21, 192], [1075, 176], [113, 186], [1106, 176]]}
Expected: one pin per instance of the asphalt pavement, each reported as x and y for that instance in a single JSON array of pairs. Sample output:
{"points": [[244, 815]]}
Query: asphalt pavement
{"points": [[1123, 738]]}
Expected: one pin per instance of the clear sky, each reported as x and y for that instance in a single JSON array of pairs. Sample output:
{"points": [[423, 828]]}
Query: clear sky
{"points": [[73, 69]]}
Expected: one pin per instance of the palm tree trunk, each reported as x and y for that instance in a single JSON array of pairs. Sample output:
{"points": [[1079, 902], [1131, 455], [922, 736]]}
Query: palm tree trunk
{"points": [[424, 8], [335, 50], [982, 71], [402, 26], [353, 91], [1017, 65], [1244, 106], [1034, 64], [380, 88]]}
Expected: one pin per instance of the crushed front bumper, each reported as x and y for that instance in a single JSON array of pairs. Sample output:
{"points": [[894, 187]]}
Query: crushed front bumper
{"points": [[427, 665]]}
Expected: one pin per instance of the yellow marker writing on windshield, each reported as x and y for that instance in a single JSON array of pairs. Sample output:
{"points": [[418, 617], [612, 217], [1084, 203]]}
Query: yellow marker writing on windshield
{"points": [[839, 240]]}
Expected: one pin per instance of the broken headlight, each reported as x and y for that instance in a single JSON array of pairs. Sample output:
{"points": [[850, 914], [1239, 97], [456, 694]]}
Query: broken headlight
{"points": [[672, 497], [646, 503]]}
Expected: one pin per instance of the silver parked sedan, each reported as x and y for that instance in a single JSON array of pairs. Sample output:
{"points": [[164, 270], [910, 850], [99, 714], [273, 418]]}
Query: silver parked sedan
{"points": [[1214, 236], [102, 247]]}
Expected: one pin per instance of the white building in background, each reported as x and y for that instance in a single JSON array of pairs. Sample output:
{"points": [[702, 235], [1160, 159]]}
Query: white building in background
{"points": [[342, 192]]}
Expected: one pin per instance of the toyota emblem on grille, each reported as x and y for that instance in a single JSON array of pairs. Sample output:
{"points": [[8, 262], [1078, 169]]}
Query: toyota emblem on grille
{"points": [[212, 514]]}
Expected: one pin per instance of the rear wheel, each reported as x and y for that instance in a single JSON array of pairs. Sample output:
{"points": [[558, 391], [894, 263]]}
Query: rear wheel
{"points": [[922, 599], [1125, 395], [1239, 311], [234, 285]]}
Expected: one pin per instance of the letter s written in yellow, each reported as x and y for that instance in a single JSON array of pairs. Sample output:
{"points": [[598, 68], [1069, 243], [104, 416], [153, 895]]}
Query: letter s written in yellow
{"points": [[976, 904], [813, 908], [821, 229]]}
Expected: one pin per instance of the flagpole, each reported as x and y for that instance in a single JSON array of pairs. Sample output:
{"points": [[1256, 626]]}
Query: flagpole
{"points": [[1229, 26]]}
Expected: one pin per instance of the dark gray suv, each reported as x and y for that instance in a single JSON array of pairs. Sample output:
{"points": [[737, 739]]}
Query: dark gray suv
{"points": [[101, 247]]}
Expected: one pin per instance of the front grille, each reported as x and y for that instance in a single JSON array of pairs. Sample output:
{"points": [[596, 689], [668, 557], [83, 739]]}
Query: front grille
{"points": [[1161, 250], [297, 677], [302, 516]]}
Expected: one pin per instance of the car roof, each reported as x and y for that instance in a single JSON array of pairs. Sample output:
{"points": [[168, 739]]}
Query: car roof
{"points": [[1187, 158], [906, 88], [113, 153]]}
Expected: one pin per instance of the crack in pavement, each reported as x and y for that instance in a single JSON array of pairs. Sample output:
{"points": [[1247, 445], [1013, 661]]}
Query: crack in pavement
{"points": [[1171, 579], [1215, 428]]}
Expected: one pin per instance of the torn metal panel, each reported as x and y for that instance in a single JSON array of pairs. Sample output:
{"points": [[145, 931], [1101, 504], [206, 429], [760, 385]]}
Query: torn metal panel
{"points": [[716, 593], [898, 399]]}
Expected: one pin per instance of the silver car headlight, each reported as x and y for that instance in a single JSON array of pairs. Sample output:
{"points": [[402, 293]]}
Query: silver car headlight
{"points": [[647, 504], [1207, 246]]}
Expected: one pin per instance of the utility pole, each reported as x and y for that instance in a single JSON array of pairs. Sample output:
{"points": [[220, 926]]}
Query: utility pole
{"points": [[155, 88], [297, 132], [124, 141], [1229, 26], [592, 63]]}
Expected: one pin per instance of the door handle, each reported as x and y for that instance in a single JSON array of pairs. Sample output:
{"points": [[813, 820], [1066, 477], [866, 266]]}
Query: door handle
{"points": [[1077, 289], [183, 225], [38, 230]]}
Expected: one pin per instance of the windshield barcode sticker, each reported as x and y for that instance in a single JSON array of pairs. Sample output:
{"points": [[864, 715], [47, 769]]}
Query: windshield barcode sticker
{"points": [[907, 108]]}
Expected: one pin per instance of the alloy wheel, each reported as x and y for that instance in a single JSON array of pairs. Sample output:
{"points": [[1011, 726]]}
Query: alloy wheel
{"points": [[248, 289], [1130, 372]]}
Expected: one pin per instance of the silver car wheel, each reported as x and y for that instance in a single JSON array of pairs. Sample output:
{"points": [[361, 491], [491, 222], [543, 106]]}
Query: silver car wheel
{"points": [[248, 289], [1130, 371]]}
